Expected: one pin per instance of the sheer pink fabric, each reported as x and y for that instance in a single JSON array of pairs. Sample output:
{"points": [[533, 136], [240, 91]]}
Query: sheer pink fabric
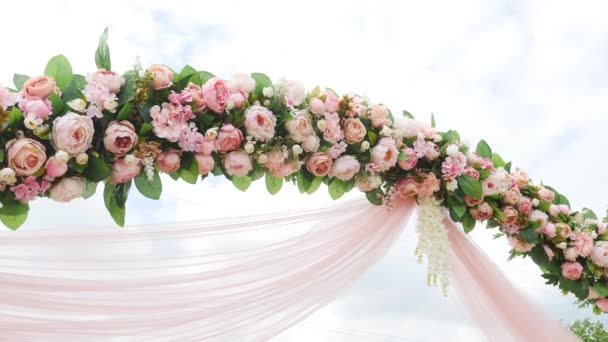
{"points": [[236, 279], [500, 309]]}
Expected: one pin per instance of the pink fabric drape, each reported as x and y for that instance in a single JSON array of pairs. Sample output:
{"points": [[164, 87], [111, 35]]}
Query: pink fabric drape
{"points": [[501, 311]]}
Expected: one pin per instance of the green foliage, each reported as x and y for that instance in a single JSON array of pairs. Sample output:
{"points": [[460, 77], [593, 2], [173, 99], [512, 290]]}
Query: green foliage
{"points": [[97, 170], [374, 197], [529, 235], [150, 189], [60, 70], [241, 182], [90, 189], [261, 81], [189, 168], [205, 76], [589, 331], [468, 222], [115, 199], [484, 149], [19, 80], [273, 184], [13, 213], [337, 188], [124, 112], [102, 55], [314, 185], [470, 186]]}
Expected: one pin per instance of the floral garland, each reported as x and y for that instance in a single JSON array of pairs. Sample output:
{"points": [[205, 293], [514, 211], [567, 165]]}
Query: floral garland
{"points": [[64, 133]]}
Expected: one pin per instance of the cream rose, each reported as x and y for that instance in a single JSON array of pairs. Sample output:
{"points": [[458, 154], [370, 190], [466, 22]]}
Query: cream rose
{"points": [[25, 156], [67, 189]]}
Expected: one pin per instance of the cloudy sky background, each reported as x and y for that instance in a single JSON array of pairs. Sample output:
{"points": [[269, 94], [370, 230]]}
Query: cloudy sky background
{"points": [[531, 77]]}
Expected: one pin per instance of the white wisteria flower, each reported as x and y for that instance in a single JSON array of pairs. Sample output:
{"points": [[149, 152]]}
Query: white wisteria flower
{"points": [[433, 242]]}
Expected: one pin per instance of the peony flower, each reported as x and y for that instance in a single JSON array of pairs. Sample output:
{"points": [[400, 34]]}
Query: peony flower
{"points": [[407, 187], [275, 158], [344, 168], [545, 195], [583, 243], [410, 162], [206, 163], [292, 92], [474, 159], [520, 245], [38, 87], [171, 120], [429, 186], [379, 115], [242, 83], [237, 163], [109, 79], [299, 127], [317, 107], [7, 99], [229, 138], [499, 181], [599, 254], [538, 216], [482, 212], [168, 161], [550, 230], [453, 167], [236, 100], [163, 76], [125, 169], [572, 270], [286, 169], [36, 108], [354, 130], [193, 141], [311, 143], [331, 130], [25, 156], [67, 189], [367, 183], [197, 97], [319, 164], [385, 154], [260, 123], [120, 137], [216, 95], [432, 151], [72, 133], [409, 128], [332, 104]]}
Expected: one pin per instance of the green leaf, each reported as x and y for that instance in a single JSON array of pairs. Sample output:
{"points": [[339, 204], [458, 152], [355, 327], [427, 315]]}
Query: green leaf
{"points": [[15, 116], [508, 167], [261, 81], [601, 289], [303, 182], [13, 213], [539, 256], [241, 182], [19, 80], [151, 189], [57, 104], [127, 92], [1, 155], [115, 197], [315, 92], [484, 149], [470, 186], [451, 136], [337, 188], [459, 209], [60, 70], [125, 112], [408, 114], [189, 168], [74, 91], [468, 222], [102, 54], [205, 76], [146, 128], [529, 235], [96, 170], [373, 137], [588, 214], [273, 184], [184, 76], [497, 161], [90, 189], [432, 120], [403, 156], [373, 198], [314, 185], [579, 288], [258, 172]]}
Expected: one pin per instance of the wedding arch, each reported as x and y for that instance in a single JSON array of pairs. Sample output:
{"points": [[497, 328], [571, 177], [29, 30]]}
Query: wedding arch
{"points": [[64, 133]]}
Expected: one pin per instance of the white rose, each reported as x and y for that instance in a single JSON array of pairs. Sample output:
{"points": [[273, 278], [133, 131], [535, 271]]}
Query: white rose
{"points": [[267, 103], [292, 92], [31, 122], [451, 185], [249, 147], [78, 105], [437, 138], [262, 159], [241, 82], [322, 125], [62, 156], [311, 143], [296, 149], [365, 146], [452, 151], [110, 105], [67, 189], [536, 202], [8, 176], [386, 131], [562, 245], [268, 92], [82, 158]]}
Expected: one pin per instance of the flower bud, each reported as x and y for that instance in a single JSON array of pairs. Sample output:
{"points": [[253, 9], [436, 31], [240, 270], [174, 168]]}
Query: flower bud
{"points": [[249, 147], [268, 92], [62, 156], [8, 176], [78, 105], [110, 105], [82, 159], [296, 149], [322, 125], [262, 158], [452, 150], [130, 159], [211, 133]]}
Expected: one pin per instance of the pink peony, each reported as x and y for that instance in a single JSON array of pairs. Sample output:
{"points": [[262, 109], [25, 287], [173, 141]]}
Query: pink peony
{"points": [[171, 120], [29, 189], [37, 108], [67, 189], [206, 163], [525, 205], [168, 161], [332, 104], [599, 254], [7, 99], [410, 128], [216, 95], [25, 156], [407, 187], [238, 99], [311, 143], [410, 162], [125, 169], [367, 183], [241, 82], [193, 141], [109, 79], [276, 158], [453, 167], [56, 168], [237, 163], [229, 138], [385, 154], [333, 133], [482, 212], [344, 168], [379, 115], [545, 195], [572, 270], [286, 169], [72, 133], [602, 304], [520, 245], [317, 107], [583, 242], [429, 186], [299, 127], [292, 92], [120, 137], [498, 182], [163, 76], [38, 87], [432, 151], [260, 123], [510, 215], [354, 130], [195, 93], [319, 164]]}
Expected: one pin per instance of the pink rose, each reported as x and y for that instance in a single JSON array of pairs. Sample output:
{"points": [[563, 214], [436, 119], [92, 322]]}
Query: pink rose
{"points": [[429, 186], [354, 130], [299, 127], [583, 243], [332, 104], [432, 151], [72, 133], [56, 168], [601, 228], [572, 270], [292, 92], [237, 163], [471, 202], [367, 183], [168, 161], [276, 158], [229, 138], [260, 123], [205, 163], [25, 156], [539, 217], [563, 229], [7, 99], [525, 205], [453, 167], [599, 254], [67, 189], [38, 87], [238, 99], [482, 212], [512, 197], [469, 171], [317, 107], [344, 168], [120, 137], [520, 245], [163, 76], [385, 154], [602, 304], [123, 170], [319, 164], [550, 230], [197, 95], [407, 187], [474, 159], [311, 143], [109, 79], [379, 115], [40, 109], [521, 178], [286, 169], [545, 195], [510, 215], [410, 162], [216, 95]]}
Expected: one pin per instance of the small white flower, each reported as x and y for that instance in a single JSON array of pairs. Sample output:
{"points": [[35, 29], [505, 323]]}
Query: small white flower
{"points": [[594, 235], [437, 138], [249, 147], [110, 105], [266, 103], [30, 123], [78, 105], [322, 125], [452, 151], [62, 156], [451, 185], [268, 92], [8, 176], [82, 158], [230, 105], [562, 245], [130, 159], [296, 149], [420, 136], [211, 133], [386, 131], [249, 138], [262, 158], [365, 146], [536, 202], [41, 129]]}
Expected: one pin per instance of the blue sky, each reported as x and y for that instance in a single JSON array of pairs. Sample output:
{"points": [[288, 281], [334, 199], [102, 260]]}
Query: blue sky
{"points": [[530, 77]]}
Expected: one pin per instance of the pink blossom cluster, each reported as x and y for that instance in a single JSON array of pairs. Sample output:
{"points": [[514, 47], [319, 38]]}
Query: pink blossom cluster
{"points": [[101, 92]]}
